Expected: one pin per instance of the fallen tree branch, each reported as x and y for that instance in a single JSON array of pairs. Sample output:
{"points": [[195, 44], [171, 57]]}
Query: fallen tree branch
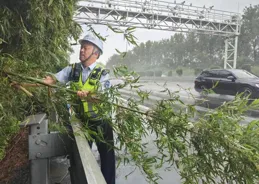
{"points": [[90, 97]]}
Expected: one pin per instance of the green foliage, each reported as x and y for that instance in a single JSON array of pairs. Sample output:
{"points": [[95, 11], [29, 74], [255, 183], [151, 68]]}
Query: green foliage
{"points": [[215, 67], [34, 38], [197, 71], [170, 73], [255, 70], [185, 50], [243, 60], [196, 51], [211, 147], [246, 67], [142, 74], [158, 73], [149, 73], [248, 42], [205, 148], [8, 119], [179, 71]]}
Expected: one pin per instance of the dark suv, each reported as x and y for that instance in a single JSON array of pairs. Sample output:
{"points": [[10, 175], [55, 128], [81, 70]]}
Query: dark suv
{"points": [[228, 82]]}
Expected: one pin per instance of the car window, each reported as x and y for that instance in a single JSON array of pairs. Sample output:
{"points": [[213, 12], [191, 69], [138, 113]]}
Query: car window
{"points": [[209, 74], [205, 74], [244, 74], [224, 73], [214, 73]]}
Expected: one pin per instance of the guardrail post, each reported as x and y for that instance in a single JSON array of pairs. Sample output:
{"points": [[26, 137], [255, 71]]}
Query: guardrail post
{"points": [[38, 124], [42, 146]]}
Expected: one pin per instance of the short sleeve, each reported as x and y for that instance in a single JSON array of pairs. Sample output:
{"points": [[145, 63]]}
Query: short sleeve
{"points": [[105, 81], [63, 75]]}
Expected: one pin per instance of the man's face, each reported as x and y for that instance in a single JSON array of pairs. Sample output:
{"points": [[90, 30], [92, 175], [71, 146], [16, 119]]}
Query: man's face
{"points": [[86, 50]]}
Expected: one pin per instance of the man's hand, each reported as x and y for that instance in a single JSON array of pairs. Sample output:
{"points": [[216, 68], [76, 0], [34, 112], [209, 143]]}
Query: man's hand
{"points": [[49, 80], [92, 97], [82, 94]]}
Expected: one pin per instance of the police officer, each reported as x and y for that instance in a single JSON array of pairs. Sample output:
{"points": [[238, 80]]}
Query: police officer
{"points": [[85, 78]]}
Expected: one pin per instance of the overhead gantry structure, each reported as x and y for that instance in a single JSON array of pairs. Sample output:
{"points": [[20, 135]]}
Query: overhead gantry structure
{"points": [[167, 16]]}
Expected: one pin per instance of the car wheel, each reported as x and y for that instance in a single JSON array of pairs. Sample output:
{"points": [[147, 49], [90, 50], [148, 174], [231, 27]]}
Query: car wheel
{"points": [[247, 92]]}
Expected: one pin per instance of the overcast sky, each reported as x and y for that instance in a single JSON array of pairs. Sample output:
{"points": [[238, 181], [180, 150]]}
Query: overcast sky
{"points": [[143, 35]]}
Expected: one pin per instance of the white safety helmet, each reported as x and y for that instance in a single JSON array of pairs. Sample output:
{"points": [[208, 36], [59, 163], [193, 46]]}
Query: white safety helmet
{"points": [[94, 40]]}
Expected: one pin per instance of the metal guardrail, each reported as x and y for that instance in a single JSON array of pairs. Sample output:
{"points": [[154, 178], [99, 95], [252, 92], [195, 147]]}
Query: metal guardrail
{"points": [[44, 145], [38, 125], [84, 166]]}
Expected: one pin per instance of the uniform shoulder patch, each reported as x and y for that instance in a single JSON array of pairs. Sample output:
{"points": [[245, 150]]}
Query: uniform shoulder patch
{"points": [[107, 84], [105, 71]]}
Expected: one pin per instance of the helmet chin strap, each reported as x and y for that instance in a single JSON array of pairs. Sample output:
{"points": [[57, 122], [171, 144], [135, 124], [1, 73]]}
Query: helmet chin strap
{"points": [[93, 52], [88, 57]]}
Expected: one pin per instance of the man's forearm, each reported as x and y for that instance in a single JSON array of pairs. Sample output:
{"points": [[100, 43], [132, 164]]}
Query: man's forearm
{"points": [[47, 80]]}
